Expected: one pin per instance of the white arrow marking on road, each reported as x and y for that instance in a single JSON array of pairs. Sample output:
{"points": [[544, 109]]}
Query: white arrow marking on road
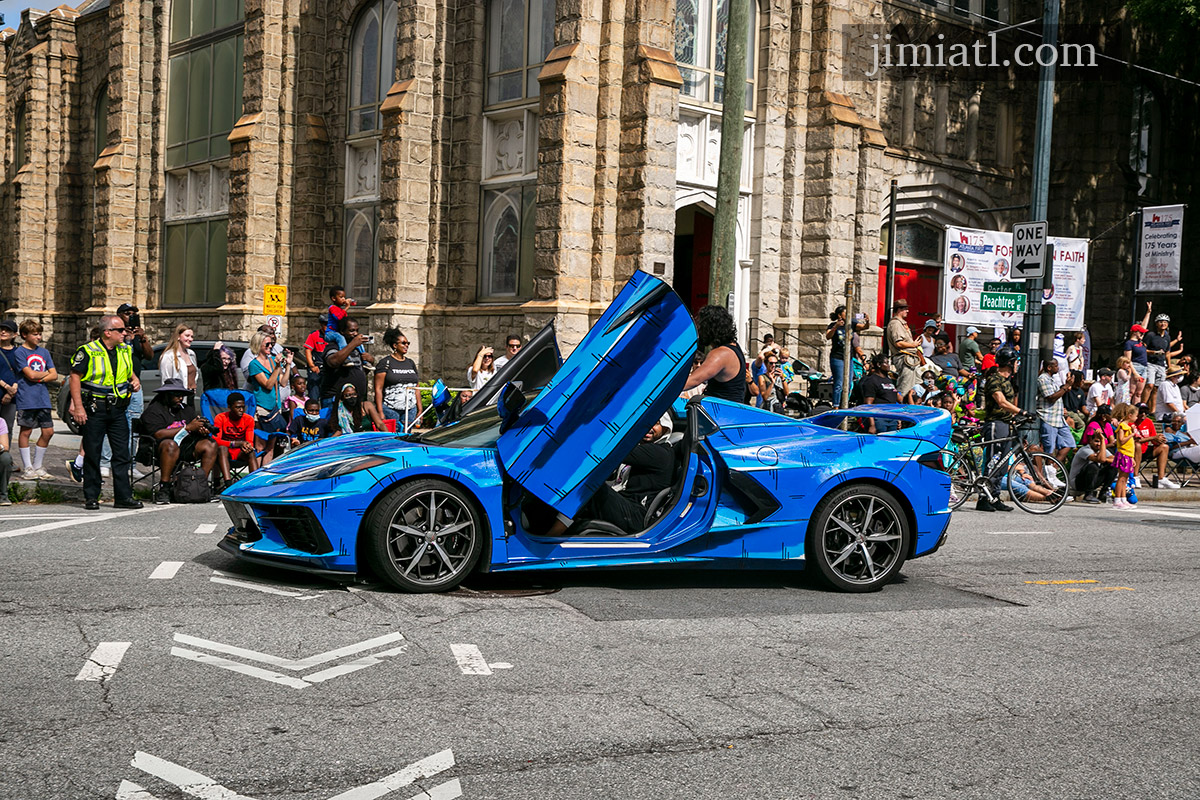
{"points": [[426, 767], [205, 788], [165, 571], [471, 661], [81, 520], [206, 528], [287, 663], [103, 662], [229, 580], [190, 782]]}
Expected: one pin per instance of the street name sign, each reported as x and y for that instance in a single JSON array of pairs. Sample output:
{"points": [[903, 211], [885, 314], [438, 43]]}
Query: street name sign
{"points": [[1002, 301], [1029, 250]]}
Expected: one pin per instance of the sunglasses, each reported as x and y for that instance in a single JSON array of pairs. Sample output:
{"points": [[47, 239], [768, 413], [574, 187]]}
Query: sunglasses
{"points": [[404, 342], [514, 347], [122, 330], [772, 363]]}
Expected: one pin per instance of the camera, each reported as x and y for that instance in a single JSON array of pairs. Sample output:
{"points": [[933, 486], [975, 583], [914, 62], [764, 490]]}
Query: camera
{"points": [[370, 339], [135, 320]]}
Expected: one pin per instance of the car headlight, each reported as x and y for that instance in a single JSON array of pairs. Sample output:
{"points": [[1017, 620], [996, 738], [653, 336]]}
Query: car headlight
{"points": [[336, 469]]}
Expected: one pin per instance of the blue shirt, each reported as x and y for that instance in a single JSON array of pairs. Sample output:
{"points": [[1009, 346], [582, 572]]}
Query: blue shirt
{"points": [[8, 363], [31, 395], [1137, 352], [264, 398]]}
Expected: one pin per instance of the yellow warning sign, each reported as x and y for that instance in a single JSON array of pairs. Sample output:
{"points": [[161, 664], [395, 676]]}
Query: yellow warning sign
{"points": [[274, 300]]}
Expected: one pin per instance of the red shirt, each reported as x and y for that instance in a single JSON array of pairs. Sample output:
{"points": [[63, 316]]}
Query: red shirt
{"points": [[229, 431], [1146, 429], [315, 342]]}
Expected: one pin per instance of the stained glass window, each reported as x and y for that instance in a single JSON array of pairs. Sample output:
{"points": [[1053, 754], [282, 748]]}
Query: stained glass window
{"points": [[520, 34], [701, 32]]}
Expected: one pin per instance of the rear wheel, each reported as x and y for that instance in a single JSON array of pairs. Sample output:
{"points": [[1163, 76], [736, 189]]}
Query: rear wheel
{"points": [[858, 538], [1046, 480], [962, 478], [425, 536]]}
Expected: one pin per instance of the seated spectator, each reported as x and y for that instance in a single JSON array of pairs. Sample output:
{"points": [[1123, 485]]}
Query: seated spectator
{"points": [[179, 432], [296, 399], [1092, 471], [351, 415], [1189, 387], [309, 426], [926, 387], [878, 388], [946, 359], [1101, 422], [989, 358], [1101, 393], [1170, 399], [1153, 444], [1022, 486], [235, 437]]}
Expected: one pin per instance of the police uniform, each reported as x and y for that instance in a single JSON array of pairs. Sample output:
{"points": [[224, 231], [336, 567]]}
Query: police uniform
{"points": [[106, 384]]}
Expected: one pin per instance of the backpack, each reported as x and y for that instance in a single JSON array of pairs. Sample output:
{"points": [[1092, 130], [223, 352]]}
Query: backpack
{"points": [[190, 485]]}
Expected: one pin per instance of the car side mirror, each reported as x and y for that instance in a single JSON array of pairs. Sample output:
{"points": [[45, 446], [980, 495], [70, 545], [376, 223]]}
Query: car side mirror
{"points": [[700, 424], [509, 403]]}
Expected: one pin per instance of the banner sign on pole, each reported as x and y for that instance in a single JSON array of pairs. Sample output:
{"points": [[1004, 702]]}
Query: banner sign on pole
{"points": [[1160, 248], [976, 261]]}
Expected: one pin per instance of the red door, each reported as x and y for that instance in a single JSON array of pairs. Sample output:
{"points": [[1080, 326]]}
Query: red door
{"points": [[920, 286], [701, 261]]}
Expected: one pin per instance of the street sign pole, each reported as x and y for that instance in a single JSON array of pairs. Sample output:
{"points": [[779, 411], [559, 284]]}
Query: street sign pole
{"points": [[1039, 204]]}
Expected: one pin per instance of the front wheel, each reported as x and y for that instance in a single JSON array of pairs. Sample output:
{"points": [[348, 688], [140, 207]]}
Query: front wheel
{"points": [[425, 536], [1037, 483], [962, 478], [858, 538]]}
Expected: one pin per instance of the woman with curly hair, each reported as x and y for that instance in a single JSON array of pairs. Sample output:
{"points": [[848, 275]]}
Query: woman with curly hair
{"points": [[725, 366]]}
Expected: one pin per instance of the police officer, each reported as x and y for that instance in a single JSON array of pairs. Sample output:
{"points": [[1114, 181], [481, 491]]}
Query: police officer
{"points": [[102, 381]]}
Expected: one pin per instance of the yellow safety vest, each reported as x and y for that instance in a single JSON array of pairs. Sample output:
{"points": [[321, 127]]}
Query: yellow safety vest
{"points": [[99, 378]]}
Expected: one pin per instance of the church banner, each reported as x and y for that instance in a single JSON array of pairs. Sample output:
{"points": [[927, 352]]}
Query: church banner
{"points": [[1160, 247], [979, 262]]}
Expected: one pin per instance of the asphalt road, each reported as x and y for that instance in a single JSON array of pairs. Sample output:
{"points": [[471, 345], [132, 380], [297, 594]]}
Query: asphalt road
{"points": [[1031, 657]]}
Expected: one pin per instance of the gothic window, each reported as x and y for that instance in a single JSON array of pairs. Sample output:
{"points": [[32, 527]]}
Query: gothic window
{"points": [[982, 11], [372, 72], [100, 121], [1145, 131], [19, 140], [520, 34], [204, 102], [508, 242], [701, 31]]}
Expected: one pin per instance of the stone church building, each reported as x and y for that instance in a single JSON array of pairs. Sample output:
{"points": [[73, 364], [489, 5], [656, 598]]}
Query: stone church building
{"points": [[470, 168]]}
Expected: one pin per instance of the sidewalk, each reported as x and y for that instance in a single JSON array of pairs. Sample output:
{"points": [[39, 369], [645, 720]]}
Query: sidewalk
{"points": [[63, 447]]}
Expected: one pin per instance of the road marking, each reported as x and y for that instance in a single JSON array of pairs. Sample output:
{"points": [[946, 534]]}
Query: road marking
{"points": [[1162, 512], [471, 661], [295, 665], [1019, 533], [81, 520], [1060, 583], [103, 662], [201, 786], [165, 571], [193, 783], [137, 538], [206, 528], [229, 579], [66, 515], [1103, 589]]}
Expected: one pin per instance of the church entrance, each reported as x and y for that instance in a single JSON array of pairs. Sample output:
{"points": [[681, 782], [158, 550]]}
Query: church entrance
{"points": [[693, 255]]}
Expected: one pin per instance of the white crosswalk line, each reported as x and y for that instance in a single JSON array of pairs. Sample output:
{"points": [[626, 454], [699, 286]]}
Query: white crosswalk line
{"points": [[426, 767], [128, 790], [206, 528], [192, 783], [103, 662], [470, 659], [81, 520], [165, 571]]}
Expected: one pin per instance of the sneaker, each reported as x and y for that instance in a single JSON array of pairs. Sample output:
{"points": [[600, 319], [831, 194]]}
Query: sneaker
{"points": [[105, 472], [30, 474], [75, 472], [4, 501], [1070, 499], [1165, 483], [1091, 497], [1120, 503], [138, 474], [41, 473], [162, 494], [984, 505]]}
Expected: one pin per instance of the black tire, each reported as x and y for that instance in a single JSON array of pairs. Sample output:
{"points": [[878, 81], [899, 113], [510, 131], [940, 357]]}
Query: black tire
{"points": [[858, 538], [962, 478], [401, 548], [64, 406], [1048, 476]]}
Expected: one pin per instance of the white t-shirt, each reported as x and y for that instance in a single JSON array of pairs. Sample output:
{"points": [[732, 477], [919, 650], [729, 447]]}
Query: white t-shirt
{"points": [[1169, 395], [927, 345], [500, 362], [477, 380], [1099, 395], [170, 365]]}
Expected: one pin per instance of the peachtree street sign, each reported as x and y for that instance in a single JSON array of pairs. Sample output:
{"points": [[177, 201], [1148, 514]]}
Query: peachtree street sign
{"points": [[1003, 296]]}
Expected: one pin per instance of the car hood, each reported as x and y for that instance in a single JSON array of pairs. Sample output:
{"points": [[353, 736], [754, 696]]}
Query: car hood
{"points": [[338, 448]]}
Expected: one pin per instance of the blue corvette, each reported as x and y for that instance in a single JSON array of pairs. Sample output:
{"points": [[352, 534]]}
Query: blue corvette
{"points": [[750, 487]]}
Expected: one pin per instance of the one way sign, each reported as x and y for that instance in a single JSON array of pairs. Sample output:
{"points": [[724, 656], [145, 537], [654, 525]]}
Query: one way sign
{"points": [[1029, 250]]}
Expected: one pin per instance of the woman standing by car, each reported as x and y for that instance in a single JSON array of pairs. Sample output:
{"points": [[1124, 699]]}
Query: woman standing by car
{"points": [[178, 360], [396, 394], [267, 375]]}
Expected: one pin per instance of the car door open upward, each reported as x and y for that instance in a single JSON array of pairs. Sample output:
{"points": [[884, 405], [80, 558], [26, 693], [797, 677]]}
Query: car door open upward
{"points": [[618, 381]]}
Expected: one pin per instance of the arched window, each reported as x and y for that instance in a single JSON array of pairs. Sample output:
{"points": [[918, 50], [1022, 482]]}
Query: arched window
{"points": [[372, 72], [19, 139], [520, 34], [204, 101], [508, 242], [701, 28], [1145, 131], [100, 120]]}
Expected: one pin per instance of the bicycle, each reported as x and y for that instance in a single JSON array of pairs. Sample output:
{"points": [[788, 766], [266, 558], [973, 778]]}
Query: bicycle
{"points": [[1037, 481]]}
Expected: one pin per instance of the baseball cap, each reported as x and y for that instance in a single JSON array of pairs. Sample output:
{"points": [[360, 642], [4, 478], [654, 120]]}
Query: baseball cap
{"points": [[929, 323], [1137, 329], [9, 325], [972, 329], [121, 309], [1104, 371]]}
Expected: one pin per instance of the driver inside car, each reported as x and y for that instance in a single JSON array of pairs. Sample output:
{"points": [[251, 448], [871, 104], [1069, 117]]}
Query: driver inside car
{"points": [[645, 472]]}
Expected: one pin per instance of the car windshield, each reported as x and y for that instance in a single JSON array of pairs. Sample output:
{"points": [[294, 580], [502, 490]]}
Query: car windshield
{"points": [[479, 428]]}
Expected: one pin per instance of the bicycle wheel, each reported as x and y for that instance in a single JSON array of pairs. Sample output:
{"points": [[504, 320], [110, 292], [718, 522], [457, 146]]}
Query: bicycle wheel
{"points": [[962, 478], [1045, 478]]}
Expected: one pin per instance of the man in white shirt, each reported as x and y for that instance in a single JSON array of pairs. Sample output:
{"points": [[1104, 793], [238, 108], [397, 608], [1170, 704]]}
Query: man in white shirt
{"points": [[512, 346], [1170, 399], [1101, 393]]}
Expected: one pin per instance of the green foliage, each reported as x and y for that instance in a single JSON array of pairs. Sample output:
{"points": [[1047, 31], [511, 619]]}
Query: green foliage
{"points": [[17, 493], [1170, 29], [48, 494]]}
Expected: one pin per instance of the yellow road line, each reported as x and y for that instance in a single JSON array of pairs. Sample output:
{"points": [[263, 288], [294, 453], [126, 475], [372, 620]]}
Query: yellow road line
{"points": [[1058, 583]]}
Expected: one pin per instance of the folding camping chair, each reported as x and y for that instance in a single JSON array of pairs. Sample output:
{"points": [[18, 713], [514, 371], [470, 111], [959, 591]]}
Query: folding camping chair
{"points": [[216, 401]]}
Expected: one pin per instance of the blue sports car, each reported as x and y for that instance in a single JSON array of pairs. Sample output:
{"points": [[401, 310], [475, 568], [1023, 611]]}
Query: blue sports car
{"points": [[749, 487]]}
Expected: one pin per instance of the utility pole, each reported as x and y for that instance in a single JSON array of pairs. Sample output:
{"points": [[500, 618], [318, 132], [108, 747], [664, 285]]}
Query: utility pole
{"points": [[1038, 206], [729, 172], [889, 275]]}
